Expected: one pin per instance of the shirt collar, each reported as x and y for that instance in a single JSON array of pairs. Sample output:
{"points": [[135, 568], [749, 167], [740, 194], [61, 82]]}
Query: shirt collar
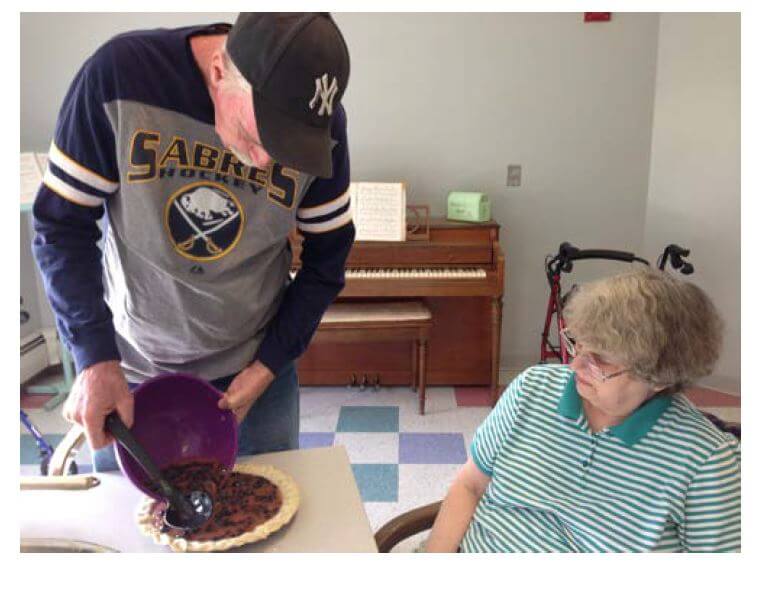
{"points": [[632, 429]]}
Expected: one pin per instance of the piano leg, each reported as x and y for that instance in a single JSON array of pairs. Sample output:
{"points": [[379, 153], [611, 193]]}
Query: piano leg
{"points": [[496, 307], [414, 365], [422, 374]]}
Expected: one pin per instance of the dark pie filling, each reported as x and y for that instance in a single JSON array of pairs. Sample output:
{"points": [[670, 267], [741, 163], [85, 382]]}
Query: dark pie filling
{"points": [[241, 501]]}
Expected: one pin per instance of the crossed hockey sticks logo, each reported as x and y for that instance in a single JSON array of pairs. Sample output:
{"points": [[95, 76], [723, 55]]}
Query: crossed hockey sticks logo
{"points": [[210, 244]]}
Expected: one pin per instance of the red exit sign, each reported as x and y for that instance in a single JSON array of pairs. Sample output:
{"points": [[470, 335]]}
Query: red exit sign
{"points": [[596, 17]]}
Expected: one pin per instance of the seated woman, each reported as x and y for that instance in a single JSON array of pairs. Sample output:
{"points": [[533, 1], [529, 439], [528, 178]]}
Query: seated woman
{"points": [[606, 454]]}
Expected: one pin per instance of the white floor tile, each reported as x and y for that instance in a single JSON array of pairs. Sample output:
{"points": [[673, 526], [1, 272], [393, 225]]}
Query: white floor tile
{"points": [[380, 513], [439, 399], [422, 484], [464, 420], [314, 397], [320, 421], [370, 447], [47, 422]]}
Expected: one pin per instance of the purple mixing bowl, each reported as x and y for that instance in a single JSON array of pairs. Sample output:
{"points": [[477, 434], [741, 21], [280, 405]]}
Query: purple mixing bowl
{"points": [[176, 418]]}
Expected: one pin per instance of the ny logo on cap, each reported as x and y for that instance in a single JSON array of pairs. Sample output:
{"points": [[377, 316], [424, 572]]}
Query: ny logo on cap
{"points": [[325, 94]]}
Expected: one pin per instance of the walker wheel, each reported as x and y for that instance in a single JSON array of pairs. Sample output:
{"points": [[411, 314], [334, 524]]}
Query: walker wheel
{"points": [[71, 468]]}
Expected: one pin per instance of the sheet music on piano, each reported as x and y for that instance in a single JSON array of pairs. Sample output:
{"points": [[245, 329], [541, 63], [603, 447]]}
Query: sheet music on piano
{"points": [[378, 210]]}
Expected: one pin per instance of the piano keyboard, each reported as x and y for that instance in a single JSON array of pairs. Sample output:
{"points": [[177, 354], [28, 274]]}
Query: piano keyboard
{"points": [[409, 273]]}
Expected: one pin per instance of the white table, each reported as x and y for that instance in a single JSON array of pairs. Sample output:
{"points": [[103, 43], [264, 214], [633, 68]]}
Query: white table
{"points": [[330, 518]]}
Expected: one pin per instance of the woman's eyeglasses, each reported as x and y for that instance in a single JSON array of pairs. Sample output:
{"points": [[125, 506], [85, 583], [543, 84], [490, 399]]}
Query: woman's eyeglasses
{"points": [[593, 366]]}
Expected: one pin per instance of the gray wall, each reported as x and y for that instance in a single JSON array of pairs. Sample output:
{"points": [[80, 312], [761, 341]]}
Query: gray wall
{"points": [[695, 177], [446, 102]]}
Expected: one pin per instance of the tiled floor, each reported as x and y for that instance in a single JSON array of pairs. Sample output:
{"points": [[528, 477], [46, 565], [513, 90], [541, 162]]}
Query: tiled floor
{"points": [[400, 459]]}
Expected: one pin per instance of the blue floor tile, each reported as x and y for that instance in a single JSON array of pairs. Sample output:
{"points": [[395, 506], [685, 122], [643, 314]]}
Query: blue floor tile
{"points": [[311, 440], [377, 482], [368, 419], [432, 448], [28, 448]]}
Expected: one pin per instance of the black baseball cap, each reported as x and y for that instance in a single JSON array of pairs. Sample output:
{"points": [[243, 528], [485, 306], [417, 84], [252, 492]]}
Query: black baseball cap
{"points": [[298, 66]]}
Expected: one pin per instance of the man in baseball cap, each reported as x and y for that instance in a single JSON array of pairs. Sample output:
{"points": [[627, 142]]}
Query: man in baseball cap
{"points": [[206, 146], [298, 68]]}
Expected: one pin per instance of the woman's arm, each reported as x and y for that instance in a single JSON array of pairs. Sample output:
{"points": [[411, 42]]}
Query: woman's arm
{"points": [[457, 509]]}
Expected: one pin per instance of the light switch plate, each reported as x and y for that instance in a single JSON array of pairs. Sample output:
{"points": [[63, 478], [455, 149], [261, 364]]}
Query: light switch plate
{"points": [[514, 175]]}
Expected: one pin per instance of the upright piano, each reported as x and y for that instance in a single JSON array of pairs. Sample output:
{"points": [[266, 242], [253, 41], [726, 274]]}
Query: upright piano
{"points": [[458, 273]]}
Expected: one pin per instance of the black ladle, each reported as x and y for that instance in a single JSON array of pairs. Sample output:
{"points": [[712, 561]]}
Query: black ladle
{"points": [[185, 512]]}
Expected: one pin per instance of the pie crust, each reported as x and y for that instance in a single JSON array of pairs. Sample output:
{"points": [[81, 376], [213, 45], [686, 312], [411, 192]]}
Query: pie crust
{"points": [[290, 503]]}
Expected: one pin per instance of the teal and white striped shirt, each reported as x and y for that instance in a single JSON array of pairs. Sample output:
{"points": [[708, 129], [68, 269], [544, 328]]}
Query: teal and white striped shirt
{"points": [[663, 480]]}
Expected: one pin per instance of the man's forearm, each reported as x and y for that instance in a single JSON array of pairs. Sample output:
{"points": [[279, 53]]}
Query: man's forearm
{"points": [[67, 253], [317, 284], [453, 519]]}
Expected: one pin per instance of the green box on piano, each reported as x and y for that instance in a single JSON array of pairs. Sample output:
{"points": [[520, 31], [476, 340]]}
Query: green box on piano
{"points": [[468, 206]]}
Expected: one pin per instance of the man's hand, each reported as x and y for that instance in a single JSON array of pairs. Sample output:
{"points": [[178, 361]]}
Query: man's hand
{"points": [[99, 390], [245, 389]]}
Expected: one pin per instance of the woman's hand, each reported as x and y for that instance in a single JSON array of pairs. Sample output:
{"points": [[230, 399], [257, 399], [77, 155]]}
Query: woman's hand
{"points": [[245, 389]]}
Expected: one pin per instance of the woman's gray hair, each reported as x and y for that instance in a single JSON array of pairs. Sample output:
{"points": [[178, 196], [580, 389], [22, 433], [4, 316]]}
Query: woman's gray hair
{"points": [[665, 330]]}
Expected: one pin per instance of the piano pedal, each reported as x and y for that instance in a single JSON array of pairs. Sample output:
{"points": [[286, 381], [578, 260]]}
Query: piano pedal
{"points": [[364, 384], [376, 383], [352, 382]]}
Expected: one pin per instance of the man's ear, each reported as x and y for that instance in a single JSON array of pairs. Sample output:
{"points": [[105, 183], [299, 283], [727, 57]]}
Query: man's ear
{"points": [[216, 71]]}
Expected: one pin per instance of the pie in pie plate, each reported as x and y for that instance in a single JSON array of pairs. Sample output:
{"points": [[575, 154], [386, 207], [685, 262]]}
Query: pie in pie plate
{"points": [[249, 504]]}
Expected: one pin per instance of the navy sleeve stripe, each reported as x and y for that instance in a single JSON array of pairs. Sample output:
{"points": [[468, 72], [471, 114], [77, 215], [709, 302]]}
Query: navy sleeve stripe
{"points": [[76, 183], [69, 193], [79, 172], [326, 208], [327, 226], [326, 217]]}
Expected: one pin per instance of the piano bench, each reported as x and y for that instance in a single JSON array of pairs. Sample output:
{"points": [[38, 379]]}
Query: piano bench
{"points": [[390, 321]]}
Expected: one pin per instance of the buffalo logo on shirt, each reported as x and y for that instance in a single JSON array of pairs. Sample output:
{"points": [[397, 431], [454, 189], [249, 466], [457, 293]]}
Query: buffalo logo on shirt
{"points": [[204, 221]]}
